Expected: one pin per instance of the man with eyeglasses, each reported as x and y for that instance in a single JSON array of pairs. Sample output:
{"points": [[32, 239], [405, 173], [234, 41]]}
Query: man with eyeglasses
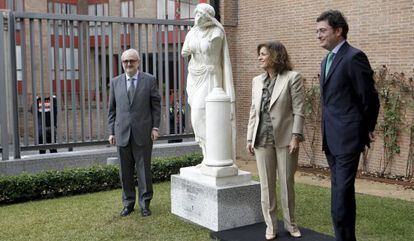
{"points": [[133, 122], [350, 107]]}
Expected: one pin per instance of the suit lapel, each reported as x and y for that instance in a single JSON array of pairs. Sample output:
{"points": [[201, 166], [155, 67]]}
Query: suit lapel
{"points": [[280, 83], [339, 56], [137, 85], [123, 86], [139, 80], [335, 63], [323, 67], [259, 91]]}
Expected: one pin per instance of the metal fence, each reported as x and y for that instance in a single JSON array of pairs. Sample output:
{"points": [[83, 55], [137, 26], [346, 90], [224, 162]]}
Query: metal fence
{"points": [[55, 72]]}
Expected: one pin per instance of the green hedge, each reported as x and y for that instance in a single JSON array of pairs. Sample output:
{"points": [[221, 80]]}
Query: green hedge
{"points": [[52, 184]]}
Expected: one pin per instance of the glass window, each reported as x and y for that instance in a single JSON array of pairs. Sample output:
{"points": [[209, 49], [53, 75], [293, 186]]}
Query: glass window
{"points": [[161, 9], [127, 11], [176, 9], [127, 8], [100, 9], [19, 5], [187, 9], [63, 8]]}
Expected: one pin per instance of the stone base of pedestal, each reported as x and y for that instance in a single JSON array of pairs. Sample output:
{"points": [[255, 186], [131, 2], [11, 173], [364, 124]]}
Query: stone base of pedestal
{"points": [[215, 203], [227, 171]]}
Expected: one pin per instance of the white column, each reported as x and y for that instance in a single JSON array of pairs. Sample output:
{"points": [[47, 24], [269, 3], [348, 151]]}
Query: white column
{"points": [[218, 161]]}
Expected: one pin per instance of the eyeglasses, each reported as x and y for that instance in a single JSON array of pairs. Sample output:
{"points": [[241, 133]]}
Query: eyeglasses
{"points": [[131, 61], [322, 30]]}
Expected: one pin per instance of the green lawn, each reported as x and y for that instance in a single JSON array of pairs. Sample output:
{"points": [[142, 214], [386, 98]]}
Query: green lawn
{"points": [[95, 217]]}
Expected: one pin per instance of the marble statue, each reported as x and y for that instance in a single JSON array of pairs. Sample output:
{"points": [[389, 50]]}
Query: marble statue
{"points": [[208, 68], [215, 193]]}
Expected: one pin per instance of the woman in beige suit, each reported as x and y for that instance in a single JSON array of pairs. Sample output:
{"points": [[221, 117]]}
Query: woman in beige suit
{"points": [[274, 131]]}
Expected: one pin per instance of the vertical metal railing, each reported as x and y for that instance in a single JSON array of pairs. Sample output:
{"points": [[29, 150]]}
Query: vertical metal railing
{"points": [[24, 82], [3, 98], [82, 77], [13, 75], [50, 75], [71, 59], [57, 73]]}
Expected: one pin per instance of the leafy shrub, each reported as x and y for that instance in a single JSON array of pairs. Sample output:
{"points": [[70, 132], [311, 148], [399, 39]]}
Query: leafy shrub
{"points": [[50, 184]]}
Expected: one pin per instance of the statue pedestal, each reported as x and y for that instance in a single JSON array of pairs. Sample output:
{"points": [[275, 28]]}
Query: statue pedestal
{"points": [[216, 203], [216, 194], [218, 161]]}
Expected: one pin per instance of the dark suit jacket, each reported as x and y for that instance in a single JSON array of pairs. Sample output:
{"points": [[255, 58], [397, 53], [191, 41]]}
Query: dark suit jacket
{"points": [[350, 102], [137, 118]]}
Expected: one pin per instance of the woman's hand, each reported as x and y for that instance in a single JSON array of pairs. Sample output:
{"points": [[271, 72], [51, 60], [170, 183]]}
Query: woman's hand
{"points": [[250, 149], [294, 144]]}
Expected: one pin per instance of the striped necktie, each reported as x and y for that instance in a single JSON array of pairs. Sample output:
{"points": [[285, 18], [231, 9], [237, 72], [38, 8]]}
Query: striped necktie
{"points": [[329, 60]]}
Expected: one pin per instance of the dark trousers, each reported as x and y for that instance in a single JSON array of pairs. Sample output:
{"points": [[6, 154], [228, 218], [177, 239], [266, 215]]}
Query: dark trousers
{"points": [[135, 157], [48, 140], [343, 207]]}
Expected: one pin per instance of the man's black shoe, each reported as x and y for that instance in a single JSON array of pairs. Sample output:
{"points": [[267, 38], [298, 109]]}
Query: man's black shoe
{"points": [[126, 211], [145, 212]]}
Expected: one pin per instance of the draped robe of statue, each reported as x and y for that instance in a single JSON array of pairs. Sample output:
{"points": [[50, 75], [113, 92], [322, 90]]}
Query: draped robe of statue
{"points": [[208, 67]]}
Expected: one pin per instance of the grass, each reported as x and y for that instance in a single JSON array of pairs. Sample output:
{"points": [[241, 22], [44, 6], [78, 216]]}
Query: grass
{"points": [[378, 219], [95, 217]]}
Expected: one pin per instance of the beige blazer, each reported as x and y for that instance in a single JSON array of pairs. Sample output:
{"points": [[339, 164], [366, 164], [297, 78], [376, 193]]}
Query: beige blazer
{"points": [[286, 107]]}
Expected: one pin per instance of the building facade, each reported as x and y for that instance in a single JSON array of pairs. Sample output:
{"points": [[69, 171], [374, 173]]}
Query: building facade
{"points": [[384, 30], [71, 49]]}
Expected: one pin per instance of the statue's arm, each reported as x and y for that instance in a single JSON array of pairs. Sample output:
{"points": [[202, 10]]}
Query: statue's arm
{"points": [[215, 44], [216, 41], [186, 51]]}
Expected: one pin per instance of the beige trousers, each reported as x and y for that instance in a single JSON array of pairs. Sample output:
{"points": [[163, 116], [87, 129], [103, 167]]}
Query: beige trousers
{"points": [[272, 160]]}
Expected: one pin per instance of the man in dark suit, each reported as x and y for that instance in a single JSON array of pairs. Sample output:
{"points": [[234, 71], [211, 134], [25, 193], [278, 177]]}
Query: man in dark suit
{"points": [[133, 121], [350, 107]]}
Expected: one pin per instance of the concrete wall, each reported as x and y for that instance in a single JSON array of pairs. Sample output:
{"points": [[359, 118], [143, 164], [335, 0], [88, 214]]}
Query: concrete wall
{"points": [[84, 158]]}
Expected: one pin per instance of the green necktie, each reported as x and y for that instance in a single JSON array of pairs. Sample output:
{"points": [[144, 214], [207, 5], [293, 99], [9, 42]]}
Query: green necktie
{"points": [[328, 62]]}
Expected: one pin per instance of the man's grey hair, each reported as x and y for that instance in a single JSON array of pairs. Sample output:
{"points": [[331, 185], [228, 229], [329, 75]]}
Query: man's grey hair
{"points": [[130, 51]]}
